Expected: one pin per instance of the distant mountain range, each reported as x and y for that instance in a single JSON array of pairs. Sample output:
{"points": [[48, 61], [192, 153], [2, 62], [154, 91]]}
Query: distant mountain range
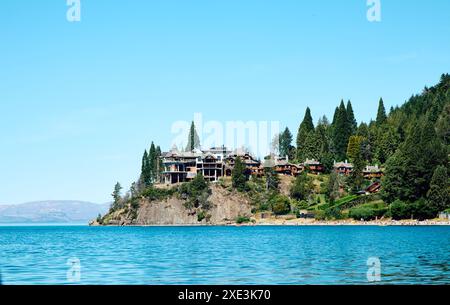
{"points": [[54, 211]]}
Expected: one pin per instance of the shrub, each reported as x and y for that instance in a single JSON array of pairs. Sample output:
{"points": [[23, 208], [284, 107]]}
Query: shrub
{"points": [[301, 187], [328, 214], [320, 215], [367, 213], [99, 219], [153, 194], [201, 216], [298, 206], [242, 219], [196, 193], [332, 213], [418, 210], [399, 210], [239, 176], [421, 210], [281, 205]]}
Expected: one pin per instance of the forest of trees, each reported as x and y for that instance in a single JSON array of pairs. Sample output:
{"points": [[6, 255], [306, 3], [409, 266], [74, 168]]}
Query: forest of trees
{"points": [[411, 143]]}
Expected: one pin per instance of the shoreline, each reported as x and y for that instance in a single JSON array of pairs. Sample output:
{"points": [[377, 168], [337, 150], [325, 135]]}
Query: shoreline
{"points": [[302, 223]]}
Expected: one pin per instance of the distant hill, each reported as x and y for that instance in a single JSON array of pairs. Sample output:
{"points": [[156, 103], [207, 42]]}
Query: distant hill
{"points": [[64, 211]]}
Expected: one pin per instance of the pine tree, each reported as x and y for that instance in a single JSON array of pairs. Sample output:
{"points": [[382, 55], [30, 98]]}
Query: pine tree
{"points": [[443, 125], [323, 121], [238, 176], [285, 142], [117, 197], [323, 143], [341, 132], [356, 178], [438, 196], [133, 190], [159, 163], [381, 114], [301, 187], [306, 127], [363, 130], [333, 187], [272, 179], [354, 147], [410, 169], [311, 146], [193, 139], [152, 161], [146, 178], [351, 118], [335, 116], [386, 143]]}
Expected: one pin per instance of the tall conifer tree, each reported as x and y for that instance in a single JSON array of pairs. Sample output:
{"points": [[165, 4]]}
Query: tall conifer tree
{"points": [[193, 139], [351, 118], [381, 114], [341, 132], [306, 127]]}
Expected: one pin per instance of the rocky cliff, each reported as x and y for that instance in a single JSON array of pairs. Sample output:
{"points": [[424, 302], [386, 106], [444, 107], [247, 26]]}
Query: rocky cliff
{"points": [[226, 207]]}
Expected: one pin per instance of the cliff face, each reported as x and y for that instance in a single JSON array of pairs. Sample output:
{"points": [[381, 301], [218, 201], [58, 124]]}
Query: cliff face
{"points": [[226, 208]]}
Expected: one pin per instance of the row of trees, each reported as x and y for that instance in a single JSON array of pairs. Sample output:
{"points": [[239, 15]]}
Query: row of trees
{"points": [[327, 142], [151, 167]]}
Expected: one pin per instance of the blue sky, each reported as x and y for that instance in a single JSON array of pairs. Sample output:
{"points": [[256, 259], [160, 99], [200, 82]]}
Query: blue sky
{"points": [[81, 101]]}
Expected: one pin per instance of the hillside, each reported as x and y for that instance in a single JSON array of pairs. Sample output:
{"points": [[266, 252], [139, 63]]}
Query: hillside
{"points": [[409, 145]]}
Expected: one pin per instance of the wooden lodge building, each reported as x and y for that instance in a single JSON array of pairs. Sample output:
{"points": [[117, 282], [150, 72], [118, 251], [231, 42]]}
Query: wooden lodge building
{"points": [[343, 168], [282, 166], [314, 166], [252, 165], [369, 172], [373, 172], [218, 162], [213, 164]]}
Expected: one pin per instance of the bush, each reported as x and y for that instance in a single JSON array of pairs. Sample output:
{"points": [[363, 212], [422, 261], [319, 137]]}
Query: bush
{"points": [[196, 193], [421, 210], [320, 215], [153, 194], [297, 206], [281, 205], [201, 216], [99, 219], [242, 219], [329, 214], [399, 210], [301, 187], [367, 213], [333, 213]]}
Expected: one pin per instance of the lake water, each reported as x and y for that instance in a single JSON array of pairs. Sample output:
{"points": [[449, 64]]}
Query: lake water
{"points": [[222, 255]]}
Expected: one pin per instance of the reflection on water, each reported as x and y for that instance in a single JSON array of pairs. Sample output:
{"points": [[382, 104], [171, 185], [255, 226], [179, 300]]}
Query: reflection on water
{"points": [[222, 255]]}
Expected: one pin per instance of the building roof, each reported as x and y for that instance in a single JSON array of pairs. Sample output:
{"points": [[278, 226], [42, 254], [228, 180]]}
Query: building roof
{"points": [[312, 162], [343, 164], [372, 169]]}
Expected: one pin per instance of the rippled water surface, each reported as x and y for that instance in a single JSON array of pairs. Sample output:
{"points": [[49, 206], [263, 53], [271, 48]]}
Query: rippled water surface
{"points": [[223, 255]]}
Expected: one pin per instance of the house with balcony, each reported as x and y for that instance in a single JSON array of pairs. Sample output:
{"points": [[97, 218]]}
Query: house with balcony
{"points": [[372, 172], [282, 166], [252, 165], [179, 166], [343, 168], [314, 167]]}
